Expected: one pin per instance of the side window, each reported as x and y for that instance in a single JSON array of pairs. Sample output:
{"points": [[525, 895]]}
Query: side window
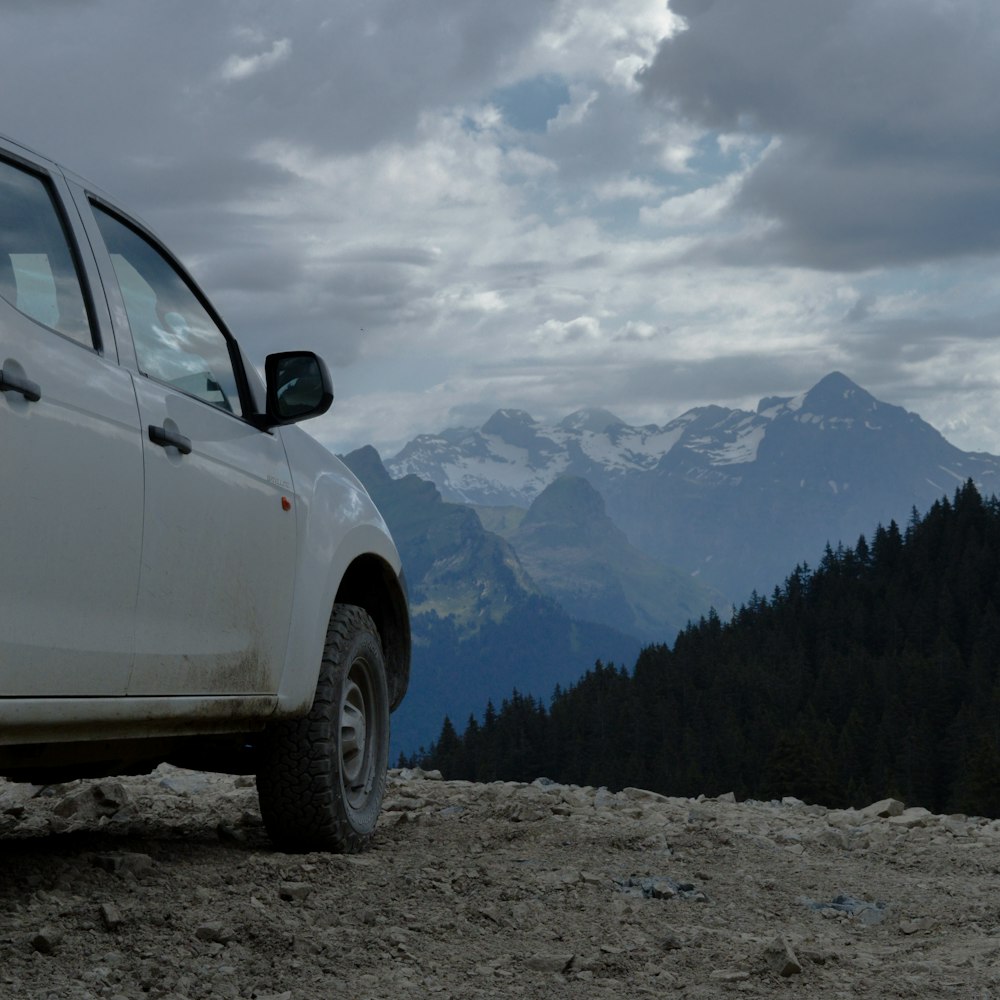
{"points": [[38, 275], [176, 340]]}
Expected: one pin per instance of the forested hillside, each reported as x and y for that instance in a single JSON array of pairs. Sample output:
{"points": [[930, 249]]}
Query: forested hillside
{"points": [[873, 675]]}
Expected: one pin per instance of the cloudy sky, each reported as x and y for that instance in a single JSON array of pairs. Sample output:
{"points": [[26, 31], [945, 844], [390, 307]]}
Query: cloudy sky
{"points": [[549, 204]]}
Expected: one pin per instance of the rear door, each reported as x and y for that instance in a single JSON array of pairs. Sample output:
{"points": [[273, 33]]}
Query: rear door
{"points": [[218, 554], [70, 454]]}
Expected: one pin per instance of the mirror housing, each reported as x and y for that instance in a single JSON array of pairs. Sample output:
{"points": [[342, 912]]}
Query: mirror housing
{"points": [[298, 386]]}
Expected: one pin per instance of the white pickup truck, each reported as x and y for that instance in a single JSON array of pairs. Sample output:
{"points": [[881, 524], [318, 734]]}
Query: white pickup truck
{"points": [[184, 576]]}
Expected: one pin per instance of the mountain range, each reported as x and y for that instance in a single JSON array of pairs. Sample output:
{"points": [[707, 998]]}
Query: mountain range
{"points": [[731, 498], [532, 551]]}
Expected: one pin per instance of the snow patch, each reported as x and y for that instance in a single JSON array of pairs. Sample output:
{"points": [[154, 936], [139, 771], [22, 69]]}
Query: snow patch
{"points": [[740, 451], [952, 473]]}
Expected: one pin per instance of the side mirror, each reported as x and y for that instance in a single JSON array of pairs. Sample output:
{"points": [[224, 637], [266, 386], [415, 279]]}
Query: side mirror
{"points": [[298, 387]]}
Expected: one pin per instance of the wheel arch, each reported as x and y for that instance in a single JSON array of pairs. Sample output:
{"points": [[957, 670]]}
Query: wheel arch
{"points": [[370, 583]]}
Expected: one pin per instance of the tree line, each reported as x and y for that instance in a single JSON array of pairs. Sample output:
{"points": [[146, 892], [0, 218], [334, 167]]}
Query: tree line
{"points": [[874, 674]]}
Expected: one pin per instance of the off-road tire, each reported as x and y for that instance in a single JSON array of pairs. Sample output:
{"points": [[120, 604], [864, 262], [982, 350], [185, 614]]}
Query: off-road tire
{"points": [[322, 777]]}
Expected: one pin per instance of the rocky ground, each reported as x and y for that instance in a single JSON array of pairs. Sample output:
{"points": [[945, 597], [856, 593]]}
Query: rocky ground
{"points": [[165, 886]]}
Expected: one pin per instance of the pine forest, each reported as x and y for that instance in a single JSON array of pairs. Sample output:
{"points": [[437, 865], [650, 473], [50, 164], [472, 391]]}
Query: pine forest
{"points": [[872, 675]]}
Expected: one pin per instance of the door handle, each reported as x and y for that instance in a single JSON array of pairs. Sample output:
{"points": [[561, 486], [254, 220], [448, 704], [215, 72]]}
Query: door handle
{"points": [[10, 382], [165, 438]]}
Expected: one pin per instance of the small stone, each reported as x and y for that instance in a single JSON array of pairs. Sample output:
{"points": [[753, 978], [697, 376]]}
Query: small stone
{"points": [[229, 834], [782, 959], [662, 889], [294, 891], [47, 940], [916, 926], [550, 963], [729, 975], [417, 773], [111, 916], [215, 932]]}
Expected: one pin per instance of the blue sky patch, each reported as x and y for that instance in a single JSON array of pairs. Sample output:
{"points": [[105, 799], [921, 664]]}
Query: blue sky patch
{"points": [[528, 105]]}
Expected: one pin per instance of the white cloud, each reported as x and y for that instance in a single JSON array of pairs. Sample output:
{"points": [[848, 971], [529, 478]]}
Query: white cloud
{"points": [[576, 331], [241, 67], [635, 188], [696, 208]]}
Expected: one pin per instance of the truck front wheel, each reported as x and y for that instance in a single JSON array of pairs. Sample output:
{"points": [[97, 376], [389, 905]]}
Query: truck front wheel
{"points": [[322, 777]]}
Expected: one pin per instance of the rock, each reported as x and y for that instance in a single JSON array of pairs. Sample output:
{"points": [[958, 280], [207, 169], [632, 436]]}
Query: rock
{"points": [[550, 963], [603, 799], [643, 795], [659, 887], [913, 817], [417, 774], [111, 916], [849, 906], [294, 891], [882, 809], [47, 940], [14, 796], [183, 782], [229, 834], [782, 959], [93, 801], [729, 975], [917, 925], [215, 932]]}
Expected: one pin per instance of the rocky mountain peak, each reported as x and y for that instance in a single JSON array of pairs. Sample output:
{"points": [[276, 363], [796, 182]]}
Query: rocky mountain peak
{"points": [[836, 396], [591, 418], [506, 422], [366, 464], [569, 501]]}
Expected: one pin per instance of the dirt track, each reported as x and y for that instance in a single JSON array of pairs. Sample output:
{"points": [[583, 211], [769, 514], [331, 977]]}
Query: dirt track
{"points": [[165, 886]]}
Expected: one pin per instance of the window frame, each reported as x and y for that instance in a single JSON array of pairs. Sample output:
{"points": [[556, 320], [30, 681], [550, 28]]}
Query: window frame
{"points": [[97, 202], [49, 182]]}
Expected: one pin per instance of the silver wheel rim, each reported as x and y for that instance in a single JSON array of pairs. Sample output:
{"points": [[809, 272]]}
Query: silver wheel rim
{"points": [[358, 732]]}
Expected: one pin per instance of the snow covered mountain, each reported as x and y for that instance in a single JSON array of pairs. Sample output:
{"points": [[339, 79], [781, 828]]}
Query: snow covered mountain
{"points": [[733, 496]]}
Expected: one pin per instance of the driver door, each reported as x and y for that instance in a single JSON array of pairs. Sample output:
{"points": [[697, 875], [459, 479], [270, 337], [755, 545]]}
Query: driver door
{"points": [[218, 550]]}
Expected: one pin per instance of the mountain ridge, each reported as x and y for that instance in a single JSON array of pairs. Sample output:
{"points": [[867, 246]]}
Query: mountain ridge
{"points": [[734, 497]]}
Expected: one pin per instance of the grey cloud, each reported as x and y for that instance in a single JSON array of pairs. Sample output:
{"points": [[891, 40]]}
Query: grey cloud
{"points": [[608, 142], [140, 105], [680, 385], [375, 254], [256, 270], [886, 111], [148, 82]]}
